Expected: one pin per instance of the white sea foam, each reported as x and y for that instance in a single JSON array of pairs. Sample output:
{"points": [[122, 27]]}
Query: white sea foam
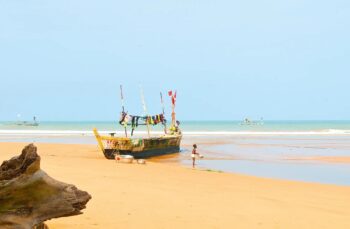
{"points": [[186, 133]]}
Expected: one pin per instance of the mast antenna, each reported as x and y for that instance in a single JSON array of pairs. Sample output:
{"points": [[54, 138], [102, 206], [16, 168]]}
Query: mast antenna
{"points": [[122, 98], [145, 110]]}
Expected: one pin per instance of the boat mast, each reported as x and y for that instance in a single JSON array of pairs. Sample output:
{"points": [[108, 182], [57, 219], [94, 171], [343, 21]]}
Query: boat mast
{"points": [[145, 110], [122, 98], [161, 100]]}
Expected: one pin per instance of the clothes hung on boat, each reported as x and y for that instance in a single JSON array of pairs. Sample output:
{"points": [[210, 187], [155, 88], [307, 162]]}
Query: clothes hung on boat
{"points": [[137, 121], [134, 120], [133, 124], [124, 119]]}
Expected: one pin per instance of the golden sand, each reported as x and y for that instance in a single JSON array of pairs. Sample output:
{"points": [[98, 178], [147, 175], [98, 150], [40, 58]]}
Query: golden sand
{"points": [[158, 195]]}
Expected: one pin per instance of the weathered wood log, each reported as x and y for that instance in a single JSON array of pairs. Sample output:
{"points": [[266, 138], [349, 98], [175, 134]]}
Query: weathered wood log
{"points": [[29, 197]]}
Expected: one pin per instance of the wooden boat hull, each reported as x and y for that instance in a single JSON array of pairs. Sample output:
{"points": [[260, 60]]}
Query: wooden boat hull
{"points": [[110, 153], [138, 148]]}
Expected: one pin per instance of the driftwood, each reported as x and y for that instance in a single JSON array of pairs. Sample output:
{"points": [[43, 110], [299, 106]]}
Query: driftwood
{"points": [[28, 196]]}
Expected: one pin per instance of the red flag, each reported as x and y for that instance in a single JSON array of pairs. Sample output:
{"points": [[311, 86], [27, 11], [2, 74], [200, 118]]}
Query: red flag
{"points": [[173, 98]]}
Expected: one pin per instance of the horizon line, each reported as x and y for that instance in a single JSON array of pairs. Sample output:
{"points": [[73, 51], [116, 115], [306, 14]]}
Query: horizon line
{"points": [[207, 120]]}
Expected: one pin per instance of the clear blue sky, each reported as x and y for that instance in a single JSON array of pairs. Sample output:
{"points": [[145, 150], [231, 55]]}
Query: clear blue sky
{"points": [[65, 60]]}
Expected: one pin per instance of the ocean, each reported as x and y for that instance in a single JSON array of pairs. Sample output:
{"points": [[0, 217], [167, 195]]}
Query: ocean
{"points": [[203, 127]]}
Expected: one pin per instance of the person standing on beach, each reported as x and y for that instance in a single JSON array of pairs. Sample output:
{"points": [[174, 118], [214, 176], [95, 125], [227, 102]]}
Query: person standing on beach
{"points": [[194, 154]]}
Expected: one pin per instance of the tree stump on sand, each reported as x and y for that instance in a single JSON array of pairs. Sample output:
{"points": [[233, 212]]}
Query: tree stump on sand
{"points": [[29, 197]]}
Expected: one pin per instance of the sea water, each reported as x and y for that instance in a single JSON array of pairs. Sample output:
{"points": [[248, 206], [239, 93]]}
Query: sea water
{"points": [[198, 126]]}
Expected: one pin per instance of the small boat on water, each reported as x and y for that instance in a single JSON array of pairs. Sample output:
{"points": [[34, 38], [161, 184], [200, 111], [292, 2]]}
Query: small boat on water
{"points": [[25, 123], [142, 147], [248, 122]]}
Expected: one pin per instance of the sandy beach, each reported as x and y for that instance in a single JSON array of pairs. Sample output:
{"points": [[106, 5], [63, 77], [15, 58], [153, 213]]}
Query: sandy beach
{"points": [[165, 195]]}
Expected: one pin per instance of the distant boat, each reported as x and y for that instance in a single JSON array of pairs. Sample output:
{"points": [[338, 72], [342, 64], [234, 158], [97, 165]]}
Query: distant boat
{"points": [[25, 123], [248, 122]]}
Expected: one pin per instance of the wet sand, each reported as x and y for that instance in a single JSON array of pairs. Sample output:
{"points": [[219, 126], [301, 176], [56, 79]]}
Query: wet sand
{"points": [[167, 195], [328, 159]]}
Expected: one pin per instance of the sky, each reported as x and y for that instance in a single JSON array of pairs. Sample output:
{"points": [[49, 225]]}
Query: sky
{"points": [[281, 60]]}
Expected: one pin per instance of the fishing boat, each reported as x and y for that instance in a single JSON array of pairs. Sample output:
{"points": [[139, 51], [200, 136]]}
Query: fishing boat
{"points": [[142, 147], [34, 123], [25, 123], [248, 122]]}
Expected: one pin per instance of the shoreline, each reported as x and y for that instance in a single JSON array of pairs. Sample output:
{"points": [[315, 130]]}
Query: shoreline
{"points": [[315, 160], [26, 132], [159, 195]]}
